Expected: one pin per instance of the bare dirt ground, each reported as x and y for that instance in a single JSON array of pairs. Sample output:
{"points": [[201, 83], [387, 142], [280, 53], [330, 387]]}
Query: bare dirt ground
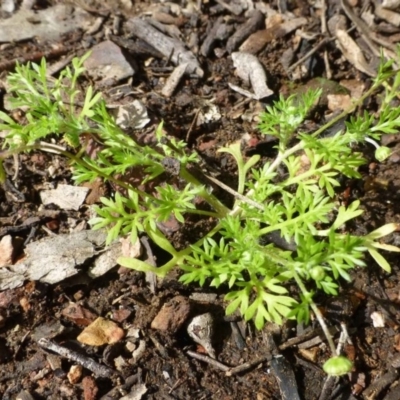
{"points": [[295, 43]]}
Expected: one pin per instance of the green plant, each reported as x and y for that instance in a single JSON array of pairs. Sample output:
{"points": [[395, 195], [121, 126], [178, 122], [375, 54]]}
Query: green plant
{"points": [[291, 197]]}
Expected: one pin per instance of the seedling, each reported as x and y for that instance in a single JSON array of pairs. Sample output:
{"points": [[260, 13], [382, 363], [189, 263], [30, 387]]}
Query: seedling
{"points": [[291, 197]]}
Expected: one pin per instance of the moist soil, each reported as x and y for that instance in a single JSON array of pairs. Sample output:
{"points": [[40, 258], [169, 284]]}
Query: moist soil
{"points": [[164, 367]]}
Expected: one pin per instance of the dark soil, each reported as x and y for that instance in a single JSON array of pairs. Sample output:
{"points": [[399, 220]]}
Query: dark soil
{"points": [[165, 369]]}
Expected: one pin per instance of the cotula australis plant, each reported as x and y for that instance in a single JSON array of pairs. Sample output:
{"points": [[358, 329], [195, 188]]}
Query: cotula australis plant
{"points": [[299, 206]]}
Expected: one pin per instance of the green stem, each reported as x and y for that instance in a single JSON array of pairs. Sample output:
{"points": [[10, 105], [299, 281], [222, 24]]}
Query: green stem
{"points": [[299, 146], [221, 210], [203, 212], [284, 224], [55, 149], [299, 178], [317, 313]]}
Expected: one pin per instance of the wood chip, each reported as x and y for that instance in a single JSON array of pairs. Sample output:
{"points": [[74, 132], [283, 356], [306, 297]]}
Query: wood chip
{"points": [[249, 68], [173, 80], [170, 48], [255, 22], [391, 4], [67, 197], [387, 15], [258, 40], [56, 258]]}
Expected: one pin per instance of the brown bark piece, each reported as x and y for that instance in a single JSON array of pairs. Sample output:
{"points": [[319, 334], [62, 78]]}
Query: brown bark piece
{"points": [[172, 315], [254, 23], [167, 46], [380, 384], [90, 388], [220, 31], [78, 314], [258, 40]]}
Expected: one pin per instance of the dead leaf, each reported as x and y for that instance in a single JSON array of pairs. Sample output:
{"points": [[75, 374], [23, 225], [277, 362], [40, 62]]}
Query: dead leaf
{"points": [[54, 259], [97, 190], [353, 53], [132, 115]]}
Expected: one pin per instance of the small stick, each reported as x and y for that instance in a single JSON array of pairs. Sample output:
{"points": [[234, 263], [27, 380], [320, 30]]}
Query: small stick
{"points": [[21, 343], [151, 278], [361, 27], [248, 365], [34, 57], [306, 337], [177, 384], [235, 193], [192, 125], [161, 349], [209, 360], [129, 382], [324, 31], [31, 235], [16, 167], [310, 53], [59, 65], [96, 368]]}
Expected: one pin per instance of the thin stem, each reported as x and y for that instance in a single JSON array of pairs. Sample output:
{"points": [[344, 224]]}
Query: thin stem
{"points": [[317, 313], [234, 193], [221, 209], [282, 156], [203, 212], [300, 178], [51, 148], [285, 224], [209, 198]]}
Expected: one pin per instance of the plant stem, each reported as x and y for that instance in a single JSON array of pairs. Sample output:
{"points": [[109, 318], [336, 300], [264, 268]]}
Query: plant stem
{"points": [[317, 313], [56, 149], [203, 212], [209, 198]]}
